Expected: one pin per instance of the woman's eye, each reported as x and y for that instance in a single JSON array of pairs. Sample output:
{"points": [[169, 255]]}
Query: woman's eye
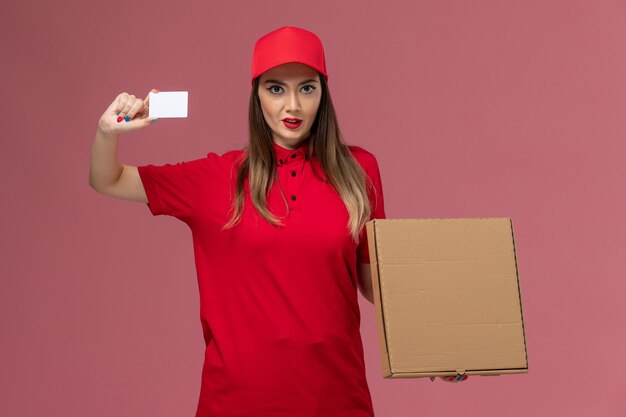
{"points": [[271, 89]]}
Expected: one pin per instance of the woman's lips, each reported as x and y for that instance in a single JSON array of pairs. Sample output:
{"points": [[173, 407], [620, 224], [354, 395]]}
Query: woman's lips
{"points": [[291, 125]]}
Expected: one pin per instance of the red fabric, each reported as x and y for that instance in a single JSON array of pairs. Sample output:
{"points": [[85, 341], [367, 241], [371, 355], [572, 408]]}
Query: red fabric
{"points": [[278, 306], [288, 44]]}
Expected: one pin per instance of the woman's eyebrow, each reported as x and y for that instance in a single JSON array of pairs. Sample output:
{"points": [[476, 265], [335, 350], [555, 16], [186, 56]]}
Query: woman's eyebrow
{"points": [[282, 83]]}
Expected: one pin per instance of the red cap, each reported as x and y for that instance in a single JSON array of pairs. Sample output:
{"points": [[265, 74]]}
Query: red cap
{"points": [[288, 44]]}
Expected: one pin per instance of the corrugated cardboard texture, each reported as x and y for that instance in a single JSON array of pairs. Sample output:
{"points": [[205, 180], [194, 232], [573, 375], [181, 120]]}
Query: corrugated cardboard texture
{"points": [[447, 297]]}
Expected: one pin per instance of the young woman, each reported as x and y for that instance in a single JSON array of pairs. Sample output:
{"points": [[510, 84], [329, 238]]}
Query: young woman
{"points": [[278, 235]]}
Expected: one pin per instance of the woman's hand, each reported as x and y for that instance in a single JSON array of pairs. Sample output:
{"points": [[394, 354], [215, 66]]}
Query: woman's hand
{"points": [[126, 113], [457, 378]]}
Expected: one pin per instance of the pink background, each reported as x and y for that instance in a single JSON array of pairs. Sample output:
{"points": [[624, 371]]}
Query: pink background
{"points": [[474, 109]]}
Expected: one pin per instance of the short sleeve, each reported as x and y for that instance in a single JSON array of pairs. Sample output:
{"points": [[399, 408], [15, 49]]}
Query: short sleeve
{"points": [[174, 189], [377, 203]]}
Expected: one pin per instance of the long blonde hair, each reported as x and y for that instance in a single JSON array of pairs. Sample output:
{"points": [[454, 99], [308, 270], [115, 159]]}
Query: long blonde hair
{"points": [[342, 171]]}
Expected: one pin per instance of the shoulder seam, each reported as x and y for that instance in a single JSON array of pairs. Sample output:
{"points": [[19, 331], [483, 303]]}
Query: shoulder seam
{"points": [[232, 152]]}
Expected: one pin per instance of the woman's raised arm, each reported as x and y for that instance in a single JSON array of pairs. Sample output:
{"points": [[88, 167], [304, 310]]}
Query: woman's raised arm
{"points": [[106, 174]]}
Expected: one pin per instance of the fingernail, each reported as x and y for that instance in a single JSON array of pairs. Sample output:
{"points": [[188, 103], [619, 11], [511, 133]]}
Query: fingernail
{"points": [[119, 119], [117, 112], [127, 118], [154, 120]]}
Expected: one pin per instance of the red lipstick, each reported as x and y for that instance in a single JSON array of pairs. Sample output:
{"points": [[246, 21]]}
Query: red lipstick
{"points": [[292, 123]]}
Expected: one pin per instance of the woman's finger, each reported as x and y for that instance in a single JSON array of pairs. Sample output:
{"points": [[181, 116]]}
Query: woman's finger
{"points": [[122, 99], [454, 379], [129, 104], [138, 105], [147, 99]]}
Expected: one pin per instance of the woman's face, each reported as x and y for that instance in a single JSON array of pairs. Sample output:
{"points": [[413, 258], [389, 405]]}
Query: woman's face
{"points": [[290, 91]]}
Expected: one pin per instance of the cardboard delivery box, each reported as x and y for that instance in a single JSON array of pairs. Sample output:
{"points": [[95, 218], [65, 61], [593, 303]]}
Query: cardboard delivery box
{"points": [[447, 297]]}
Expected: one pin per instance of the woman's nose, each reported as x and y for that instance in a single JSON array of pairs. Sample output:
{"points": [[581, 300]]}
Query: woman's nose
{"points": [[293, 103]]}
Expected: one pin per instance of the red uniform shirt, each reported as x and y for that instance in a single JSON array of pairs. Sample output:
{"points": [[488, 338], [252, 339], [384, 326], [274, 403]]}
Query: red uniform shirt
{"points": [[278, 306]]}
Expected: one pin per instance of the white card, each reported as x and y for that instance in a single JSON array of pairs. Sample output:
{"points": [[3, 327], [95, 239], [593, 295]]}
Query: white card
{"points": [[168, 104]]}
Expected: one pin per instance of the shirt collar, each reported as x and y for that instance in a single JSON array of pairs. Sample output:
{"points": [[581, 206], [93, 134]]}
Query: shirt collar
{"points": [[285, 156]]}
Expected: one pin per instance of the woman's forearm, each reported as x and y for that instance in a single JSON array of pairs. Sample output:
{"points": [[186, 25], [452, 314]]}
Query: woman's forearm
{"points": [[105, 168]]}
